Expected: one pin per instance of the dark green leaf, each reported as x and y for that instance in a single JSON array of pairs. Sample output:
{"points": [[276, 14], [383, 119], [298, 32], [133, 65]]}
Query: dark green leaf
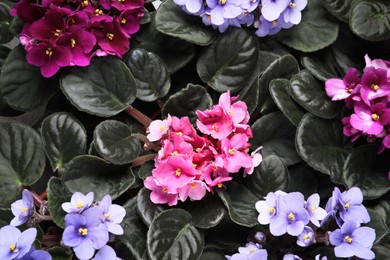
{"points": [[240, 203], [60, 253], [87, 173], [146, 170], [320, 143], [172, 20], [146, 208], [378, 223], [321, 65], [123, 252], [207, 212], [341, 9], [316, 30], [135, 230], [22, 159], [5, 21], [276, 134], [113, 141], [187, 101], [5, 217], [4, 51], [56, 195], [212, 254], [370, 20], [104, 88], [381, 252], [22, 85], [269, 176], [279, 93], [172, 236], [250, 95], [310, 93], [266, 59], [383, 209], [151, 76], [230, 62], [302, 178], [64, 137]]}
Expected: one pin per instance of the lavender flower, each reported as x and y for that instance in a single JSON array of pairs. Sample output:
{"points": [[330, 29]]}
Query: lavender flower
{"points": [[34, 254], [271, 9], [112, 214], [353, 241], [251, 251], [105, 253], [22, 209], [291, 257], [85, 232], [250, 5], [271, 27], [15, 244], [322, 258], [306, 238], [315, 212], [292, 14], [267, 208], [220, 10], [78, 203], [192, 6]]}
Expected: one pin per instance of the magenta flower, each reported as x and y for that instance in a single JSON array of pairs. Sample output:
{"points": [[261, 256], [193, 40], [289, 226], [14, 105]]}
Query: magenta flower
{"points": [[15, 244], [112, 215], [374, 84], [160, 194], [27, 10], [128, 21], [235, 156], [111, 38], [370, 120], [338, 89], [78, 202], [49, 27], [122, 4], [349, 130], [377, 64], [22, 209], [182, 127]]}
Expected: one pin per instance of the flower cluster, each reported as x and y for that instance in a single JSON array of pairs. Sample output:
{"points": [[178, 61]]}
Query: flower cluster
{"points": [[251, 251], [188, 164], [369, 97], [60, 33], [87, 225], [268, 16]]}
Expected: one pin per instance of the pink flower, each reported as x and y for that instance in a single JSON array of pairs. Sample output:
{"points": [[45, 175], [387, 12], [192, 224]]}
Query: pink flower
{"points": [[339, 89], [158, 128], [370, 120], [175, 147], [182, 127], [238, 111], [349, 130], [160, 194], [234, 158], [256, 160], [377, 64], [214, 122], [196, 190], [374, 84]]}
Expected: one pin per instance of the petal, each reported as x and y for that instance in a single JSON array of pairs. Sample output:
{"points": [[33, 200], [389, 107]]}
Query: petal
{"points": [[344, 250], [9, 235], [117, 213], [75, 219], [94, 216], [278, 226], [105, 253], [363, 253], [85, 250], [25, 241], [364, 236], [336, 238], [115, 229], [295, 228], [105, 203], [98, 235], [70, 237]]}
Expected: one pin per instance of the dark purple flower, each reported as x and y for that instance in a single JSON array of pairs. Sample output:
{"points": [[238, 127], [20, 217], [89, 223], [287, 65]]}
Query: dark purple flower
{"points": [[291, 217], [27, 10], [106, 253], [220, 10], [121, 5], [292, 14], [128, 21], [78, 203], [316, 213], [351, 240], [306, 238], [85, 232], [271, 9], [49, 27], [34, 254], [112, 214], [192, 6], [374, 84], [22, 209], [15, 244], [370, 119]]}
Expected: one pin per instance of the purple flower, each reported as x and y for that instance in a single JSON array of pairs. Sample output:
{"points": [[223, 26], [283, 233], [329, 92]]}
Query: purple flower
{"points": [[85, 232], [291, 217], [339, 89], [15, 244], [34, 254], [22, 209], [250, 5], [306, 238], [220, 10], [291, 257], [78, 203], [251, 251], [370, 120], [349, 130], [292, 14], [112, 214], [105, 253], [192, 6], [270, 28], [271, 9], [374, 84], [267, 208], [353, 241], [322, 258], [315, 212]]}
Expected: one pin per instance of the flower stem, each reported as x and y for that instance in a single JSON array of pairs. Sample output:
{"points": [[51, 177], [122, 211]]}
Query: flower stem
{"points": [[142, 159], [139, 116]]}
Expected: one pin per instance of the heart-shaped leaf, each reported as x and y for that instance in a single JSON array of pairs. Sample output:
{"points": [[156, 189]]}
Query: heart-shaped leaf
{"points": [[320, 142], [22, 159], [104, 88], [56, 195], [341, 9], [230, 62], [172, 236], [207, 212], [276, 134], [270, 176], [21, 85], [378, 223], [146, 170], [171, 20], [146, 208], [5, 21], [321, 65], [187, 101], [250, 95], [64, 137], [240, 203], [113, 141], [310, 93], [151, 76], [87, 173], [4, 51]]}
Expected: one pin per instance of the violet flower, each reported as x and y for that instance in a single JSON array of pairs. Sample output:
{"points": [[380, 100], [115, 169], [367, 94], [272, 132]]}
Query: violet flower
{"points": [[267, 208], [291, 257], [351, 207], [316, 213], [271, 9], [78, 203], [292, 14], [220, 10], [251, 251], [353, 241], [250, 5], [22, 209], [192, 6], [112, 215], [306, 238], [15, 244], [106, 253], [271, 27], [34, 254]]}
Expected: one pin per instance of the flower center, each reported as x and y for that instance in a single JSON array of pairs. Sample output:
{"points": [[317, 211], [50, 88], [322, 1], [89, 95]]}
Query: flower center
{"points": [[123, 21], [174, 153], [313, 208], [274, 22], [24, 209], [83, 231], [348, 239], [72, 42], [346, 205], [80, 205], [110, 36], [107, 217], [193, 185], [165, 190], [374, 87], [214, 128], [197, 150], [222, 2], [219, 185], [178, 172], [57, 32], [271, 210], [232, 151], [121, 1], [349, 90], [305, 237], [375, 117], [162, 128], [85, 3], [98, 11], [49, 52], [293, 5], [13, 248], [251, 249], [230, 112], [291, 216]]}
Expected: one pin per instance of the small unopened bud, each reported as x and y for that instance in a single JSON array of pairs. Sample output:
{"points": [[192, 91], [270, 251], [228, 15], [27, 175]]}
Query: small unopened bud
{"points": [[259, 237]]}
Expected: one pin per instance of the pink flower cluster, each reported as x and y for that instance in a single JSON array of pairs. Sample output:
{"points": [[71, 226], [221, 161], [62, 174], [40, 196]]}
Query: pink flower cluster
{"points": [[188, 165], [60, 33], [369, 97]]}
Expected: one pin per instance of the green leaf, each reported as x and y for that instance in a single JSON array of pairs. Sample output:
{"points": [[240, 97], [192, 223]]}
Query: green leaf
{"points": [[213, 254], [187, 101], [22, 159], [378, 223], [4, 51], [87, 173], [276, 134], [146, 170], [269, 176], [240, 203], [282, 68], [360, 171], [310, 93], [151, 76], [173, 21], [146, 208], [5, 21], [266, 59], [135, 230], [320, 143], [104, 88], [381, 252], [56, 195], [316, 31], [341, 9], [172, 236], [250, 95], [64, 137], [5, 216], [21, 85], [279, 93], [370, 20], [230, 62], [113, 141], [320, 64], [302, 178], [207, 212], [60, 253]]}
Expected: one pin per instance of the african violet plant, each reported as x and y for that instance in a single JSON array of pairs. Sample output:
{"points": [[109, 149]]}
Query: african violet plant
{"points": [[231, 129]]}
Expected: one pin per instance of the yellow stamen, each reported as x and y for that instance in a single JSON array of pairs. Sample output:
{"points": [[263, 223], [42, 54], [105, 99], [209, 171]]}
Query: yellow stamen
{"points": [[374, 87], [72, 42], [222, 2], [121, 1], [193, 185], [83, 231], [98, 11], [214, 128], [85, 3], [178, 172], [313, 208], [246, 13], [197, 150], [162, 128], [174, 153], [57, 32], [232, 151], [179, 133], [165, 190], [293, 5], [305, 237], [123, 21], [13, 248], [49, 52], [219, 185], [348, 239], [251, 250], [194, 165], [271, 210], [110, 36], [209, 17], [214, 167], [80, 205], [24, 209], [274, 22], [375, 117], [107, 217], [346, 205], [291, 216], [230, 112]]}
